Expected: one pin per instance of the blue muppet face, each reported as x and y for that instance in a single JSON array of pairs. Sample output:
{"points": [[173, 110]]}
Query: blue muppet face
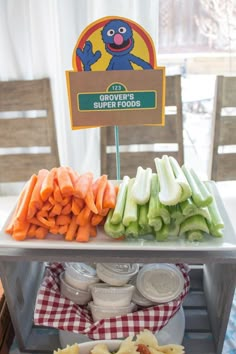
{"points": [[118, 37]]}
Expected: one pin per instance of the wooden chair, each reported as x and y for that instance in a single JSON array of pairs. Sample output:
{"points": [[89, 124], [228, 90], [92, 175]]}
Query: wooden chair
{"points": [[139, 144], [223, 159], [27, 133]]}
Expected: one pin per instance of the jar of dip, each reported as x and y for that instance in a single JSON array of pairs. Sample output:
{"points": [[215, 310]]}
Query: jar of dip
{"points": [[116, 274], [160, 283], [80, 275]]}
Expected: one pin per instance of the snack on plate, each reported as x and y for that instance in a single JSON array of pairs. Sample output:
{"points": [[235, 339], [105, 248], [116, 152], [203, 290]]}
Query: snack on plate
{"points": [[145, 343], [70, 349]]}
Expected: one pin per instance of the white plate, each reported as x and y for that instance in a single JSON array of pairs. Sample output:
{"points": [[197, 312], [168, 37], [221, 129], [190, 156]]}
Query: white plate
{"points": [[103, 242]]}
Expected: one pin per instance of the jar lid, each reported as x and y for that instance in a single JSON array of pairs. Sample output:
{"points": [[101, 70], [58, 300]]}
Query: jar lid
{"points": [[81, 270], [121, 268], [160, 282]]}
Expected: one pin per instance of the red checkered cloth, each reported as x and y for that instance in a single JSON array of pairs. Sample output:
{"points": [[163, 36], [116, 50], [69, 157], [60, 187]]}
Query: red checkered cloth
{"points": [[54, 310]]}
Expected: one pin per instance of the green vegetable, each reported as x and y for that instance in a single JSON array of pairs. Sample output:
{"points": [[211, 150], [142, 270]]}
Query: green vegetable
{"points": [[120, 202], [162, 234], [132, 229], [131, 207], [194, 235], [195, 222], [156, 223], [216, 224], [170, 190], [155, 207], [173, 229], [176, 213], [200, 194], [143, 216], [188, 207], [181, 179], [142, 185], [113, 230]]}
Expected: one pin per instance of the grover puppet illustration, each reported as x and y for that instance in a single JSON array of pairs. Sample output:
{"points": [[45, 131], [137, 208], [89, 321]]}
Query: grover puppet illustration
{"points": [[117, 36]]}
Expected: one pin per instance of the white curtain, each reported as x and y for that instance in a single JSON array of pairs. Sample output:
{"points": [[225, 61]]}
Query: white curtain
{"points": [[37, 39]]}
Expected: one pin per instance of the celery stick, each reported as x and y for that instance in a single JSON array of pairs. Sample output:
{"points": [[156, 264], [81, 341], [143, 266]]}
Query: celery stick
{"points": [[132, 229], [181, 179], [143, 216], [216, 218], [146, 230], [142, 185], [162, 234], [200, 211], [206, 195], [188, 206], [176, 213], [131, 207], [174, 229], [155, 207], [156, 223], [194, 235], [112, 230], [195, 222], [120, 201], [170, 190]]}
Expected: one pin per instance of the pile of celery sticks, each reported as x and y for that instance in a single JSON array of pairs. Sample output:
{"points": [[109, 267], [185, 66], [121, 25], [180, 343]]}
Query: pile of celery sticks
{"points": [[169, 203]]}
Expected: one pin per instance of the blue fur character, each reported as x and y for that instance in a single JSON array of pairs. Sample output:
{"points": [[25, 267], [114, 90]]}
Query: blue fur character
{"points": [[117, 36]]}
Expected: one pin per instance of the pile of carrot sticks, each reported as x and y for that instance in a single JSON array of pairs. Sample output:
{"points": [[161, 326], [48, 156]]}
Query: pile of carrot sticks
{"points": [[62, 201]]}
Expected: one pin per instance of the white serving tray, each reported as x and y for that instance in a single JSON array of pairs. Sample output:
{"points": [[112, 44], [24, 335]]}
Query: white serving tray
{"points": [[103, 242]]}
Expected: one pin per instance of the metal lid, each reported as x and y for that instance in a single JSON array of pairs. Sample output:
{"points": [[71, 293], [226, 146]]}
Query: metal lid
{"points": [[81, 270], [160, 282]]}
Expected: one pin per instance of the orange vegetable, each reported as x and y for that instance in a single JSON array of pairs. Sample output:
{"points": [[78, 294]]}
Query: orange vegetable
{"points": [[64, 181], [48, 185], [31, 230], [77, 206], [22, 211], [96, 219], [41, 232], [47, 222], [63, 219], [74, 175], [35, 221], [20, 230], [57, 196], [83, 233], [36, 201], [84, 216], [47, 206], [66, 209], [65, 201], [56, 210], [93, 231], [82, 185], [72, 229], [54, 230], [100, 193], [10, 225], [89, 200], [109, 199], [63, 229]]}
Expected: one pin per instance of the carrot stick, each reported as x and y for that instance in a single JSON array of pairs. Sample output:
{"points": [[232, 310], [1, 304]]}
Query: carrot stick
{"points": [[63, 220], [36, 201], [22, 211], [72, 229], [57, 196], [47, 222], [96, 219], [84, 216], [104, 212], [66, 209], [100, 193], [75, 207], [41, 232], [82, 185], [35, 221], [54, 230], [10, 225], [109, 199], [93, 231], [48, 185], [31, 231], [83, 233], [20, 230], [63, 229], [89, 200], [65, 201], [64, 181], [47, 206], [56, 210], [74, 175]]}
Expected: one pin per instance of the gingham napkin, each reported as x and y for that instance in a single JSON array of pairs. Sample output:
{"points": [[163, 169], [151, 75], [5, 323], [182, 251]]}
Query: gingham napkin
{"points": [[54, 310]]}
